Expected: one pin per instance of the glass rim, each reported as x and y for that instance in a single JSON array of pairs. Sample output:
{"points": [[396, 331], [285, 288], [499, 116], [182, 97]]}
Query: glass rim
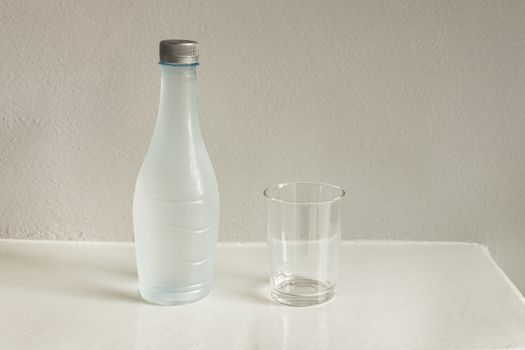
{"points": [[340, 195]]}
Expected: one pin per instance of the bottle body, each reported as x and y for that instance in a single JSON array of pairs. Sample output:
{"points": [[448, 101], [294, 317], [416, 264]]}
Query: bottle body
{"points": [[176, 200]]}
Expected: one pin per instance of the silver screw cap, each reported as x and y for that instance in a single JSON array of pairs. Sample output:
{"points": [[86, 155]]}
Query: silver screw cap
{"points": [[179, 51]]}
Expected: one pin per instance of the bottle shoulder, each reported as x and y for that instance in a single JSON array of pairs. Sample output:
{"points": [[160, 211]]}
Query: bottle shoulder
{"points": [[177, 176]]}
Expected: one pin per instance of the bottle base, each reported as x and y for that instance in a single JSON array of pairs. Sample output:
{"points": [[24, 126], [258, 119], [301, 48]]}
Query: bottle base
{"points": [[174, 296]]}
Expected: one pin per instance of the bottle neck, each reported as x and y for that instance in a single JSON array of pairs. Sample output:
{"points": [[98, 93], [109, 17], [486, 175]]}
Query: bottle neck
{"points": [[178, 99]]}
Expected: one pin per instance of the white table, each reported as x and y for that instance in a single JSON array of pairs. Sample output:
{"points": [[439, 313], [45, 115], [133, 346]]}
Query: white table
{"points": [[68, 295]]}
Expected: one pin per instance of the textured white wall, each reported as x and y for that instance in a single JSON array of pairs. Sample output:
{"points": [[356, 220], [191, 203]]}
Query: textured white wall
{"points": [[415, 107]]}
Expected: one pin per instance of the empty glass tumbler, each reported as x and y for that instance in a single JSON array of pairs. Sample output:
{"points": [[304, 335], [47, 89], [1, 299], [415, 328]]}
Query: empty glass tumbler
{"points": [[304, 233]]}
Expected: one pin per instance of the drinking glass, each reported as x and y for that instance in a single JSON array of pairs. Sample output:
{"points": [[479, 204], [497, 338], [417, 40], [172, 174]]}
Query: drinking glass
{"points": [[304, 232]]}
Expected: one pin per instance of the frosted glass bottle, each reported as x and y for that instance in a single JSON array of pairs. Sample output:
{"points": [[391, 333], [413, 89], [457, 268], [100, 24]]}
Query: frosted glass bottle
{"points": [[176, 200]]}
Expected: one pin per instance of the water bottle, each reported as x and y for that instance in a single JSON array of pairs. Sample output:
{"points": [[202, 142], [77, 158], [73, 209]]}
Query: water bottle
{"points": [[176, 200]]}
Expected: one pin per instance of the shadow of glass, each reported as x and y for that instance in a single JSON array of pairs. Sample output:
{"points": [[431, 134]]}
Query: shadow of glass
{"points": [[288, 328]]}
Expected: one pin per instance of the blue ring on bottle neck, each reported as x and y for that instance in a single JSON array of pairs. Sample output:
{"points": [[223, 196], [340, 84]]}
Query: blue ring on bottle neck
{"points": [[179, 64]]}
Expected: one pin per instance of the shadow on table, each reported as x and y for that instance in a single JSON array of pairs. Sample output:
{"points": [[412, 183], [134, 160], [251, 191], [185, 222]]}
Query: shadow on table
{"points": [[92, 272], [41, 273], [242, 282]]}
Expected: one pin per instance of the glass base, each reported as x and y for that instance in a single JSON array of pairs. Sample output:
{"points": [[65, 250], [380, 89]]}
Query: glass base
{"points": [[301, 291], [174, 296]]}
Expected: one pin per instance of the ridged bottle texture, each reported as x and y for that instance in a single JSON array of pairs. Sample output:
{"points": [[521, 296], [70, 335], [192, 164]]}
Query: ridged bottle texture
{"points": [[176, 200]]}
